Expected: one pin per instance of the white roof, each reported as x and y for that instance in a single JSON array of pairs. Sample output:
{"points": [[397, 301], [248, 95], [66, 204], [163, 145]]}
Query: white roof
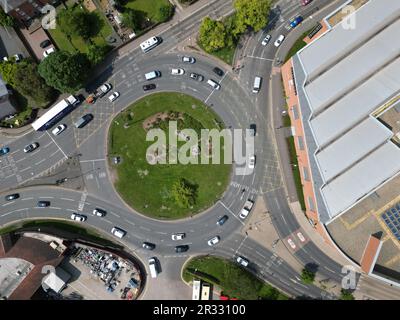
{"points": [[333, 45], [56, 281], [55, 110], [355, 144], [362, 178]]}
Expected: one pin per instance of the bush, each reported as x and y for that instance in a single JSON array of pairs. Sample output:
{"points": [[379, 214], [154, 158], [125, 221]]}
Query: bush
{"points": [[307, 276], [166, 12]]}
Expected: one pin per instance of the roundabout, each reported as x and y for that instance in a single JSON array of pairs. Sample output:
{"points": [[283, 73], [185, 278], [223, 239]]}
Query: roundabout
{"points": [[165, 190]]}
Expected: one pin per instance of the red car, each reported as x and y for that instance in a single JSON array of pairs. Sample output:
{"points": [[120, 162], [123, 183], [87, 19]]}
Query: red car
{"points": [[305, 2]]}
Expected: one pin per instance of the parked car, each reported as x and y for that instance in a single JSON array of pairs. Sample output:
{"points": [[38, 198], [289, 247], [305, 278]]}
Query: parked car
{"points": [[177, 72], [49, 51], [118, 232], [266, 40], [45, 43], [4, 151], [60, 128], [178, 236], [188, 59], [242, 261], [196, 76], [218, 71], [78, 217], [305, 2], [99, 212], [43, 204], [296, 22], [182, 248], [148, 246], [278, 41], [11, 197], [253, 129], [31, 147], [114, 96], [222, 220], [150, 86], [213, 241], [252, 162]]}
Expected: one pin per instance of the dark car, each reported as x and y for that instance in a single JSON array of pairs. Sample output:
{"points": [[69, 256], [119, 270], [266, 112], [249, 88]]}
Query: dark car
{"points": [[253, 129], [43, 204], [182, 248], [218, 71], [45, 43], [296, 21], [84, 120], [4, 151], [12, 196], [150, 86], [222, 220], [148, 246], [196, 76]]}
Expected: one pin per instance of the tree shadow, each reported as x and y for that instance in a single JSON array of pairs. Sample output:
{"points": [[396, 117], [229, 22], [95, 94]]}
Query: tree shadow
{"points": [[95, 22]]}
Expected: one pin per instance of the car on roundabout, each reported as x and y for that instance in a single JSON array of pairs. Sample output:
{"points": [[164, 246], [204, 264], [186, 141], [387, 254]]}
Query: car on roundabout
{"points": [[99, 212], [43, 204], [78, 217], [196, 76], [218, 71], [148, 246], [4, 151], [11, 197], [213, 241], [178, 236], [177, 71], [150, 86], [222, 220], [114, 96], [118, 232], [187, 59], [242, 261], [181, 248]]}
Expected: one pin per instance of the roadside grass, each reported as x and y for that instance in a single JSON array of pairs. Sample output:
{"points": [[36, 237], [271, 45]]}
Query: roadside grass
{"points": [[297, 46], [296, 171], [225, 54], [150, 8], [147, 188], [69, 228], [233, 280]]}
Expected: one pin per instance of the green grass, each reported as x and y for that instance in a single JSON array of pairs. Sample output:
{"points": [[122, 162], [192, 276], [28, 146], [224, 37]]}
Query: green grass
{"points": [[225, 54], [233, 280], [150, 7], [296, 172], [147, 188], [76, 231], [299, 44]]}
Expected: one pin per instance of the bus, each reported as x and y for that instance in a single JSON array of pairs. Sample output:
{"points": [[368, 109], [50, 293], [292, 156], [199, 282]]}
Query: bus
{"points": [[196, 290], [57, 112], [205, 291], [149, 44]]}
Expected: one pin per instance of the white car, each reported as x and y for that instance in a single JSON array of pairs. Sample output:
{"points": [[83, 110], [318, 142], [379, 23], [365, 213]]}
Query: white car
{"points": [[291, 243], [242, 261], [178, 236], [188, 59], [99, 212], [177, 72], [244, 213], [119, 233], [78, 217], [49, 51], [301, 237], [114, 96], [105, 87], [213, 241], [278, 41], [266, 40], [252, 162], [60, 128]]}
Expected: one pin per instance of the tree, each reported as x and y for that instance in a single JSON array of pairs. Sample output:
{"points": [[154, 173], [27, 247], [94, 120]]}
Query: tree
{"points": [[252, 13], [65, 71], [7, 71], [184, 193], [5, 19], [307, 276], [165, 12], [97, 53], [346, 295], [30, 83], [212, 35], [76, 22], [131, 19]]}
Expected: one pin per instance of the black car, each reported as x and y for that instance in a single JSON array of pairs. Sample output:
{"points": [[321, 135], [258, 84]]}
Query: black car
{"points": [[253, 128], [150, 86], [182, 248], [218, 71], [222, 220], [148, 246], [43, 204], [12, 196], [45, 43]]}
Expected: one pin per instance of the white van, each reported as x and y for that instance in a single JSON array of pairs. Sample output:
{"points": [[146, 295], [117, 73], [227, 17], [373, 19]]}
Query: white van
{"points": [[257, 84], [213, 84], [153, 268], [152, 75]]}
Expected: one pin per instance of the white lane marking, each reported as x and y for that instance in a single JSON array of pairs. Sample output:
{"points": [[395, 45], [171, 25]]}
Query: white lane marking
{"points": [[41, 135], [30, 198], [56, 208], [47, 145], [67, 199], [8, 203], [144, 228], [82, 201], [70, 210], [57, 145], [27, 168], [205, 101], [15, 151], [231, 212], [117, 215], [261, 58], [159, 232], [22, 159], [260, 254], [39, 162], [82, 161], [54, 153], [241, 244], [108, 221], [46, 197], [130, 222]]}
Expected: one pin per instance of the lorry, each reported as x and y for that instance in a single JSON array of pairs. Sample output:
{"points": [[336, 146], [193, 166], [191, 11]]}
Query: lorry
{"points": [[98, 93], [246, 209]]}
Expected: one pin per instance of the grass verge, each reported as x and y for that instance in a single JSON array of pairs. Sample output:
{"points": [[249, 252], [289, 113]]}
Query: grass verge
{"points": [[297, 46]]}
